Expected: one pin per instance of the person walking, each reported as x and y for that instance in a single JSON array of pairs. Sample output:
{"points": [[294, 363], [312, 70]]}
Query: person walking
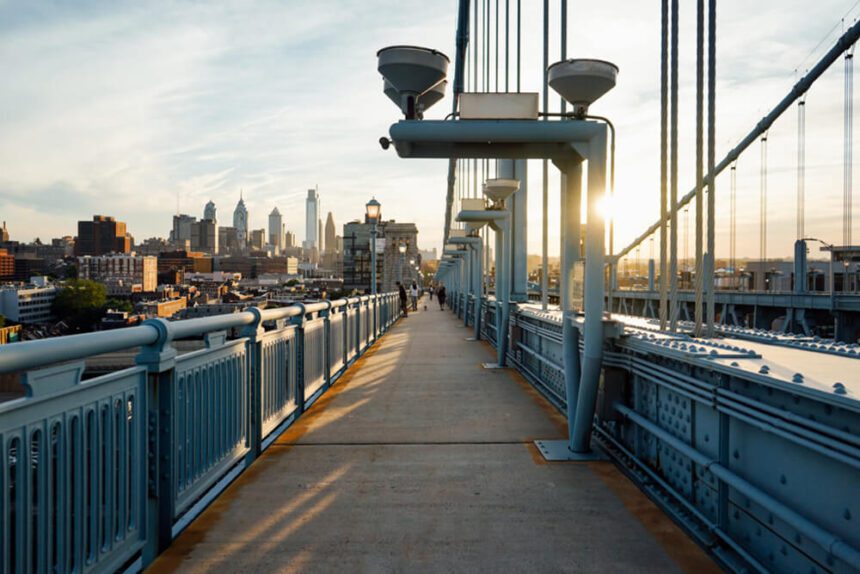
{"points": [[402, 292], [413, 292], [432, 290], [441, 294]]}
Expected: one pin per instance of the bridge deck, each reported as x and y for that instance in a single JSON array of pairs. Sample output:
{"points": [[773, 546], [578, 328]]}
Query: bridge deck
{"points": [[419, 459]]}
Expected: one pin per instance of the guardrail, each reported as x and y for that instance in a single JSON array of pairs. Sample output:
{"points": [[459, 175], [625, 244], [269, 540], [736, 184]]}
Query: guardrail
{"points": [[100, 475], [762, 470]]}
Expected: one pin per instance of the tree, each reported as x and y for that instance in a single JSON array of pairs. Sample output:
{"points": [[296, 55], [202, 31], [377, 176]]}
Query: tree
{"points": [[119, 305], [80, 303]]}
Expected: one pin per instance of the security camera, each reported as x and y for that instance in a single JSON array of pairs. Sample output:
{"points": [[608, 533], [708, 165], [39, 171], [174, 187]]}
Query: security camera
{"points": [[384, 142]]}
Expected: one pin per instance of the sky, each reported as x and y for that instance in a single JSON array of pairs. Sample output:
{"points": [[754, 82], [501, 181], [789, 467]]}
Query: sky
{"points": [[131, 109]]}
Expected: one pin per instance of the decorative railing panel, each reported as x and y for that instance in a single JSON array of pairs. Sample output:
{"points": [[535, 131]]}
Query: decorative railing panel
{"points": [[279, 376], [210, 407], [314, 356], [336, 339], [73, 482]]}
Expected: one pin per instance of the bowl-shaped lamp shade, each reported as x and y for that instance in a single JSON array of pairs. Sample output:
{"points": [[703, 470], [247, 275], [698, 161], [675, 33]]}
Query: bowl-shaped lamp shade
{"points": [[500, 189], [412, 69], [432, 95], [582, 81]]}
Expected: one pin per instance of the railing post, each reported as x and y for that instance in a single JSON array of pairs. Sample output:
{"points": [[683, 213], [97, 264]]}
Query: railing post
{"points": [[324, 315], [299, 322], [160, 362], [255, 384]]}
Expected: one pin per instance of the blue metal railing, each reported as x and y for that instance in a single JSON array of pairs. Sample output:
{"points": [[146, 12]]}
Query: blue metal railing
{"points": [[100, 475], [762, 470]]}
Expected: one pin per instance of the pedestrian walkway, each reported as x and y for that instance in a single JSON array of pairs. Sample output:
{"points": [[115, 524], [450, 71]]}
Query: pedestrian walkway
{"points": [[419, 460]]}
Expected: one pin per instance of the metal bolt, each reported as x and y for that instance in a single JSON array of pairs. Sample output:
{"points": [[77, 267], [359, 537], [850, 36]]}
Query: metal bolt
{"points": [[764, 370], [797, 378], [839, 389]]}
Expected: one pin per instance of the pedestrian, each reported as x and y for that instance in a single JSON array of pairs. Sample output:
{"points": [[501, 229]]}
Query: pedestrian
{"points": [[413, 292], [402, 292], [441, 295], [432, 290]]}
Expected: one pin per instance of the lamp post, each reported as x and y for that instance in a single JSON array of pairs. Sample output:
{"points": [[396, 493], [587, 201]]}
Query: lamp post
{"points": [[373, 208]]}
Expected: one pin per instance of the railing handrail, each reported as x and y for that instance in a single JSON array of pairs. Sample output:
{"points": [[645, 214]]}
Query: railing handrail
{"points": [[42, 352]]}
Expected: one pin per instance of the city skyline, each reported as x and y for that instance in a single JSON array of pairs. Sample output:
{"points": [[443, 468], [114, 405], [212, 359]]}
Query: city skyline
{"points": [[186, 124]]}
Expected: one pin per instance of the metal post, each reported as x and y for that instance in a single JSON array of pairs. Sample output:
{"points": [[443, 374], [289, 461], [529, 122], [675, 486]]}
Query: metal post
{"points": [[664, 157], [712, 190], [519, 234], [479, 274], [700, 121], [594, 290], [373, 232], [570, 257], [673, 172]]}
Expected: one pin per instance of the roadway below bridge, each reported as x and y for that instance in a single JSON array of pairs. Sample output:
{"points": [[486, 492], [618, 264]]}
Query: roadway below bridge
{"points": [[418, 459]]}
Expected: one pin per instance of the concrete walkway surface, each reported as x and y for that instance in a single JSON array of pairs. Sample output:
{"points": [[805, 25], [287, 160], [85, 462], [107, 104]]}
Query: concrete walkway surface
{"points": [[420, 460]]}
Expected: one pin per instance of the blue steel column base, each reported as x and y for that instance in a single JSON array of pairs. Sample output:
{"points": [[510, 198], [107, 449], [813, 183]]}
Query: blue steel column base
{"points": [[493, 366], [559, 451]]}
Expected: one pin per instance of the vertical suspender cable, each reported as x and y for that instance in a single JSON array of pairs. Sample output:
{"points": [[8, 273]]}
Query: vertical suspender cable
{"points": [[801, 168], [507, 45], [544, 278], [673, 173], [848, 152], [700, 168], [733, 229], [664, 121], [712, 192], [762, 246], [519, 41], [497, 45]]}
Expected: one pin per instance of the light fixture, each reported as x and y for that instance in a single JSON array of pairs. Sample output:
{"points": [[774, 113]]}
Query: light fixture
{"points": [[582, 81], [411, 72], [373, 209]]}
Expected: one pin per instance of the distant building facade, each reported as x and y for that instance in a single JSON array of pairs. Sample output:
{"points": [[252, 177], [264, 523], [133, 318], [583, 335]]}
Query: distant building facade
{"points": [[28, 303], [240, 222], [391, 264], [101, 236], [276, 229], [312, 205], [120, 270]]}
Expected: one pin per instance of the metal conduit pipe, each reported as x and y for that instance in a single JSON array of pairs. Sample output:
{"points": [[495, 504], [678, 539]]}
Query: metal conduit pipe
{"points": [[826, 540]]}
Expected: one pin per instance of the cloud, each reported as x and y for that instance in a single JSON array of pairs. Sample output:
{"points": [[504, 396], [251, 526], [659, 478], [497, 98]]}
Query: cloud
{"points": [[120, 107]]}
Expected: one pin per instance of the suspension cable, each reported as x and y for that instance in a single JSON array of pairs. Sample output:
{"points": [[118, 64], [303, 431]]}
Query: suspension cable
{"points": [[664, 157], [700, 168], [762, 246], [801, 168], [710, 271], [733, 214], [673, 172], [848, 150]]}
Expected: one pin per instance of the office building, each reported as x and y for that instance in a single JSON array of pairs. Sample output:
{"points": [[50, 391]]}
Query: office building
{"points": [[28, 303], [4, 233], [209, 212], [121, 270], [312, 204], [7, 265], [240, 222], [204, 236], [276, 229], [101, 236], [257, 240], [181, 233]]}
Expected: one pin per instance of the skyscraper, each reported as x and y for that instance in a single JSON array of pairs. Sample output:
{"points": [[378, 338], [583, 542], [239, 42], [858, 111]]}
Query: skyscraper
{"points": [[312, 205], [330, 234], [209, 211], [276, 226], [240, 222]]}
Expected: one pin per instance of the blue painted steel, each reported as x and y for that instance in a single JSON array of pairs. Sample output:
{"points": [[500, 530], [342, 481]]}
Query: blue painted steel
{"points": [[100, 474], [689, 425], [73, 478]]}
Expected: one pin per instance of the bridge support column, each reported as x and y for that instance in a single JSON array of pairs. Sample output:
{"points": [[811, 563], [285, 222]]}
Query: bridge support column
{"points": [[518, 169]]}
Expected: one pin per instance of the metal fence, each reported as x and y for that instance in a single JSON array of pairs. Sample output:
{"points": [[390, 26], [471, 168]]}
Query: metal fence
{"points": [[100, 475], [761, 469]]}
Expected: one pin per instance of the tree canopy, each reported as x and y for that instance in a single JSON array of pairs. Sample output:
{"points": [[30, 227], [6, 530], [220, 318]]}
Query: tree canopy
{"points": [[81, 303]]}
